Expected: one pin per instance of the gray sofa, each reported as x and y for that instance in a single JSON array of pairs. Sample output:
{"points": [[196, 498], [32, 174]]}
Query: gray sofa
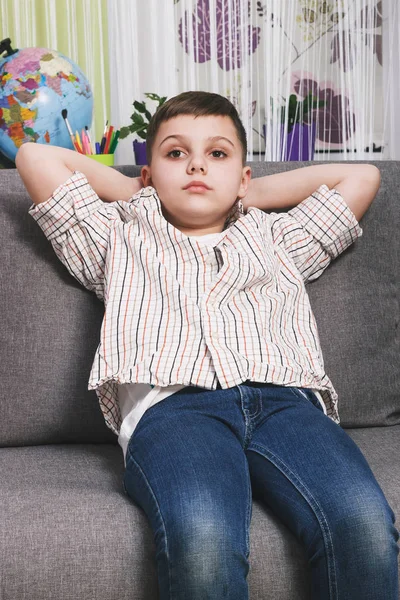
{"points": [[68, 531]]}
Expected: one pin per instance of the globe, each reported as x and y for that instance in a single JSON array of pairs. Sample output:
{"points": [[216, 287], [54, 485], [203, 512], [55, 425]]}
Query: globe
{"points": [[36, 84]]}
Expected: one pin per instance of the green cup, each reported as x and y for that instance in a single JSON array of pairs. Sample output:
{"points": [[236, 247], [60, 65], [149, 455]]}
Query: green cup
{"points": [[104, 159]]}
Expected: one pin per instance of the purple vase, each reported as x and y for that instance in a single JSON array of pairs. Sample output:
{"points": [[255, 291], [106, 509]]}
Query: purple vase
{"points": [[139, 149], [300, 143]]}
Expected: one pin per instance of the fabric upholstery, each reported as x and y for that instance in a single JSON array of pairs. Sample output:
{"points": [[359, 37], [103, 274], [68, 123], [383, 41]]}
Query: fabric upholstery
{"points": [[68, 530]]}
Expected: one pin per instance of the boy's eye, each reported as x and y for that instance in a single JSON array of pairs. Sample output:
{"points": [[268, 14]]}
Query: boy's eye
{"points": [[175, 153], [178, 153]]}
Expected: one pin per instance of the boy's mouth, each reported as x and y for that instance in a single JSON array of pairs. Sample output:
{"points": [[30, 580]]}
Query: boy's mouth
{"points": [[196, 186]]}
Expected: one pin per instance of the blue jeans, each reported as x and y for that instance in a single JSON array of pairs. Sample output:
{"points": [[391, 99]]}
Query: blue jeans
{"points": [[196, 459]]}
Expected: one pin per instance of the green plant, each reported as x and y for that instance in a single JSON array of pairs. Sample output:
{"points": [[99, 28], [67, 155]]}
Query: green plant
{"points": [[141, 117], [298, 111]]}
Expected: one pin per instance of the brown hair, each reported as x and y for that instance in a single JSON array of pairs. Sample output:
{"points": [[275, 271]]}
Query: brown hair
{"points": [[198, 104]]}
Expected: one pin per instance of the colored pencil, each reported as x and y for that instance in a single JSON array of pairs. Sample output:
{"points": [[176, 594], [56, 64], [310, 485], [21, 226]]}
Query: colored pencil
{"points": [[90, 139], [103, 141], [114, 143], [108, 140], [88, 147], [84, 143], [78, 141]]}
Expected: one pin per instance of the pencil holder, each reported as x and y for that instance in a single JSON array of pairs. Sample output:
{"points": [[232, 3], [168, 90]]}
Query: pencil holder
{"points": [[104, 159]]}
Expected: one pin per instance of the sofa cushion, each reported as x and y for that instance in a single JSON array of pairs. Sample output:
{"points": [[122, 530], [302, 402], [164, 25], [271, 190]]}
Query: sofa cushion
{"points": [[69, 531], [49, 332]]}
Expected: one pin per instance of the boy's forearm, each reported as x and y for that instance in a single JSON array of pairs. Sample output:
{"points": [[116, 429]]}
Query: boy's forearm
{"points": [[286, 190], [44, 168]]}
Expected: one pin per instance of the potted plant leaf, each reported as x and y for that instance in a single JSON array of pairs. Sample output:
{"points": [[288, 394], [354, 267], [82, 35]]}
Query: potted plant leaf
{"points": [[140, 122], [301, 129]]}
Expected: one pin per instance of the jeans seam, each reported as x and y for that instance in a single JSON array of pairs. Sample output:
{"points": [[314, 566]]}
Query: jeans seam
{"points": [[312, 502], [247, 433], [136, 464], [249, 419]]}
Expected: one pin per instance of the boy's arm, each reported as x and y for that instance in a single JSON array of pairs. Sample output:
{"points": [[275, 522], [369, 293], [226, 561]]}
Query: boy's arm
{"points": [[43, 168], [357, 183]]}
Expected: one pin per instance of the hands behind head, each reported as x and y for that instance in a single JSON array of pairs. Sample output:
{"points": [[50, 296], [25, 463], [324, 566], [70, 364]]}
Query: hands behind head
{"points": [[137, 184]]}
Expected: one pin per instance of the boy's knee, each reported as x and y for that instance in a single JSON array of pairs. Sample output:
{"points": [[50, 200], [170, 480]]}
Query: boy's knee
{"points": [[199, 531], [209, 557], [365, 526], [206, 542]]}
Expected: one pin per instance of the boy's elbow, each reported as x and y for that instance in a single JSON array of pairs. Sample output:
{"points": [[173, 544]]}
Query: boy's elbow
{"points": [[369, 187], [26, 158], [39, 171], [360, 187], [372, 183], [25, 153], [374, 176]]}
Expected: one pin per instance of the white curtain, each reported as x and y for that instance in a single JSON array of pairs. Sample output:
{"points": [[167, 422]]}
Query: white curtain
{"points": [[391, 64], [258, 53], [142, 57]]}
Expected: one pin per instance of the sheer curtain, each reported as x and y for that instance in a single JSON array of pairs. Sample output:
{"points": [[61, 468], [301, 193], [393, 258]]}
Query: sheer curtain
{"points": [[142, 59], [391, 63], [258, 53]]}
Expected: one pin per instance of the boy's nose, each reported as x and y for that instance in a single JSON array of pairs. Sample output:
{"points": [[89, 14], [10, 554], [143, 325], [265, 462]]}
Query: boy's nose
{"points": [[197, 165]]}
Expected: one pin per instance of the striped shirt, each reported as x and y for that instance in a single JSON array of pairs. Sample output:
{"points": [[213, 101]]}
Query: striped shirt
{"points": [[181, 312]]}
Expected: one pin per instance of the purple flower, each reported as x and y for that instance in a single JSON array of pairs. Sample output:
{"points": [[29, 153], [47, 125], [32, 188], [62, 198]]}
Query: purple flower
{"points": [[230, 33], [330, 117], [343, 50], [343, 47]]}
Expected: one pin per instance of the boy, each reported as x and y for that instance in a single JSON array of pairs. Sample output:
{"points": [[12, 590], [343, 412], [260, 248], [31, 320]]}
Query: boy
{"points": [[209, 366]]}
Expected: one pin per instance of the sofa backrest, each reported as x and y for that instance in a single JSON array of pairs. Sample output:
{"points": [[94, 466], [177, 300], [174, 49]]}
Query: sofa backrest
{"points": [[50, 324], [356, 306]]}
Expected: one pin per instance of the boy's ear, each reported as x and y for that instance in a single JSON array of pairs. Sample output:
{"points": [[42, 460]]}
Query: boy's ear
{"points": [[246, 176], [146, 175]]}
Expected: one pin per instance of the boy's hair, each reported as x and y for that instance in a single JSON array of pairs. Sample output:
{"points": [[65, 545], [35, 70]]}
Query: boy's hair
{"points": [[198, 104]]}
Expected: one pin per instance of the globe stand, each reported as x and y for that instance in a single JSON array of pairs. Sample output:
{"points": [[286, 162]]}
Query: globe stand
{"points": [[5, 46]]}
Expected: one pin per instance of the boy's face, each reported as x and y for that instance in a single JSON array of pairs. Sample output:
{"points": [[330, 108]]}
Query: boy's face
{"points": [[203, 150]]}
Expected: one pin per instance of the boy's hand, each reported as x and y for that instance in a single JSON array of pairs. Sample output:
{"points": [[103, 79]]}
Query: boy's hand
{"points": [[44, 168], [357, 183]]}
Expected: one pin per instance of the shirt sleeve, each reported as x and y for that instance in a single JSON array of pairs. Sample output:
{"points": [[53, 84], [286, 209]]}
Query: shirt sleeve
{"points": [[316, 231], [77, 223]]}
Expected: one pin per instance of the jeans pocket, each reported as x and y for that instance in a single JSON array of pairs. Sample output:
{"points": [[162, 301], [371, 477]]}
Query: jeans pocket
{"points": [[307, 394]]}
